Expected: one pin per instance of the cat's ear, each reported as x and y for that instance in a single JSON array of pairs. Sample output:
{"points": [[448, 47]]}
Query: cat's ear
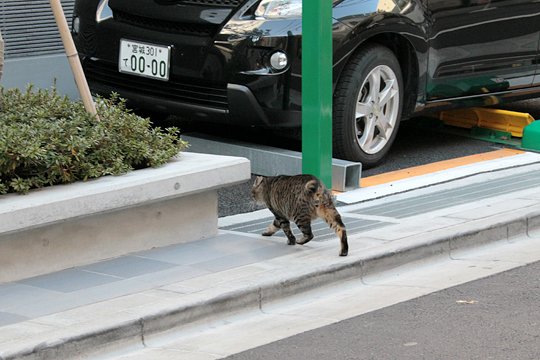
{"points": [[258, 180], [312, 186]]}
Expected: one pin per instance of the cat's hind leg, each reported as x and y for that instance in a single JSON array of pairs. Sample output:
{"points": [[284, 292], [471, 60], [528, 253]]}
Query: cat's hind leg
{"points": [[342, 233], [332, 217]]}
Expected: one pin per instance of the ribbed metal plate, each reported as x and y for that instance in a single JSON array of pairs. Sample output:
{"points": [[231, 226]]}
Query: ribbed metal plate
{"points": [[320, 229], [444, 199], [29, 29]]}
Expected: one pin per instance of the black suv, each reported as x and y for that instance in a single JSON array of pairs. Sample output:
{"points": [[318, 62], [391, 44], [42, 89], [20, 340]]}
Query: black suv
{"points": [[239, 61]]}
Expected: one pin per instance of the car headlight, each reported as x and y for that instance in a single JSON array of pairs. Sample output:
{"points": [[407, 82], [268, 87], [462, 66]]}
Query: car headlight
{"points": [[279, 9], [103, 12]]}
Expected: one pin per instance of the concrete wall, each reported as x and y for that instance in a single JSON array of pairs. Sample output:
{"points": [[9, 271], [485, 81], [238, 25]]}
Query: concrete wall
{"points": [[41, 71]]}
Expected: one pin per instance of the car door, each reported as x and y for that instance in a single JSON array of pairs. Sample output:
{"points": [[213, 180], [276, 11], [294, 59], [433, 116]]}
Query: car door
{"points": [[481, 46]]}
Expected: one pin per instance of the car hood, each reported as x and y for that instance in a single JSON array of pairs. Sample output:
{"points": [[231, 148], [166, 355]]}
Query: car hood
{"points": [[197, 12]]}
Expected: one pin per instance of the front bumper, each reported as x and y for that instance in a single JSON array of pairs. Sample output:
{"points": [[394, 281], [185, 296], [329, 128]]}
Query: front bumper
{"points": [[234, 104]]}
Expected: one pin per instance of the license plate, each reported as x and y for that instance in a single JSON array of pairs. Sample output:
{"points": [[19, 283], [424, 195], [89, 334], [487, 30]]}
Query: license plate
{"points": [[143, 59]]}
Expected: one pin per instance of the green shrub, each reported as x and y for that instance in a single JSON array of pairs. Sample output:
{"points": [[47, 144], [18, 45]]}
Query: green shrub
{"points": [[47, 139]]}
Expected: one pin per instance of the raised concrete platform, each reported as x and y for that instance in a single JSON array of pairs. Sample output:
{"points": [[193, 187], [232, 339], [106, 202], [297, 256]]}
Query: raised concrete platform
{"points": [[125, 302], [70, 225]]}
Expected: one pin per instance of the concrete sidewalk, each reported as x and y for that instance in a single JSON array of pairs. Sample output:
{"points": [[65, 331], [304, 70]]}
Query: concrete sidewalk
{"points": [[71, 313]]}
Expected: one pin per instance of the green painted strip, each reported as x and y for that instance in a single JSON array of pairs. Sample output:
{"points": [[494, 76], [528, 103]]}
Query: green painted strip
{"points": [[531, 136], [317, 89]]}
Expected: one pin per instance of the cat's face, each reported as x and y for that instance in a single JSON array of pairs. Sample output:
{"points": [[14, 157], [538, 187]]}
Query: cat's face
{"points": [[258, 189]]}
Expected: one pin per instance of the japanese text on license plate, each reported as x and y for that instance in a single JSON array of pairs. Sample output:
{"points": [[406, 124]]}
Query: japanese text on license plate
{"points": [[144, 59]]}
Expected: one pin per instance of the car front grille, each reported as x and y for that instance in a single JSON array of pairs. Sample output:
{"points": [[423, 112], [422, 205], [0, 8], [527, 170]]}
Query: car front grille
{"points": [[179, 90], [166, 26]]}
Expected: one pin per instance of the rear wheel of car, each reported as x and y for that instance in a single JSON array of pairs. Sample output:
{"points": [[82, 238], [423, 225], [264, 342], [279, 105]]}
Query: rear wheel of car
{"points": [[367, 106]]}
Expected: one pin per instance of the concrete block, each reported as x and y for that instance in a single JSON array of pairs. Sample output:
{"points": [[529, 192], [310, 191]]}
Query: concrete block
{"points": [[71, 225]]}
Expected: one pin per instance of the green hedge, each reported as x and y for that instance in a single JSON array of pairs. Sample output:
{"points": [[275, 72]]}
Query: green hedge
{"points": [[47, 139]]}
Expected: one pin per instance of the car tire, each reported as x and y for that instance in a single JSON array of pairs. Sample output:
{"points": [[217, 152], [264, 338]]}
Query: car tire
{"points": [[367, 106]]}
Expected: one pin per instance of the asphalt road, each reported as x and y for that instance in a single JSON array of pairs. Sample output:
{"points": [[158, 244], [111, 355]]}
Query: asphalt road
{"points": [[493, 318]]}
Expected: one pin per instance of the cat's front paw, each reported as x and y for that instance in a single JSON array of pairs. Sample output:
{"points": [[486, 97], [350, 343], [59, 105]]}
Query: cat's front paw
{"points": [[304, 240], [267, 233]]}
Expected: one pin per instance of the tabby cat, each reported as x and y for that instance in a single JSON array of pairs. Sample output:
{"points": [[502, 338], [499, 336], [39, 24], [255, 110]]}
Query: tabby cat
{"points": [[298, 198]]}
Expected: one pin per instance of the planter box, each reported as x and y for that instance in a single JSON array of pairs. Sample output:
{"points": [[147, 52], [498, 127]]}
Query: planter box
{"points": [[70, 225]]}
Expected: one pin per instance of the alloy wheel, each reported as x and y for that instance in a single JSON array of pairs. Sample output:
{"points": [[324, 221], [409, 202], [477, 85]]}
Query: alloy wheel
{"points": [[377, 109]]}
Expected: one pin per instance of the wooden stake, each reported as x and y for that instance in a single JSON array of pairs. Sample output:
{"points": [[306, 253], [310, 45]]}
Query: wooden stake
{"points": [[73, 57]]}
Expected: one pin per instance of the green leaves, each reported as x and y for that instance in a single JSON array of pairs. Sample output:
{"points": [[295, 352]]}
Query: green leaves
{"points": [[46, 139]]}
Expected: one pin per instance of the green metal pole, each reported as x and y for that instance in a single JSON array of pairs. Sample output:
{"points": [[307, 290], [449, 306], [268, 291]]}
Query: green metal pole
{"points": [[317, 89]]}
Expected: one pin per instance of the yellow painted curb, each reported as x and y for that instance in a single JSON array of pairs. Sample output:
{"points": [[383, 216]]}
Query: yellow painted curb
{"points": [[434, 167]]}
